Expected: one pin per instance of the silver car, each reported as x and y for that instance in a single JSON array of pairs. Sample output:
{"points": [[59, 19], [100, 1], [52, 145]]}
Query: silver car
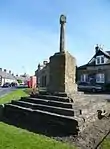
{"points": [[85, 86]]}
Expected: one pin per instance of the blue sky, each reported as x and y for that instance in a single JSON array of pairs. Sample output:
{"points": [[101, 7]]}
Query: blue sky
{"points": [[29, 30]]}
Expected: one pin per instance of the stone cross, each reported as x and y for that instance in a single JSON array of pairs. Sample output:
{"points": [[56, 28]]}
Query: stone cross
{"points": [[62, 33]]}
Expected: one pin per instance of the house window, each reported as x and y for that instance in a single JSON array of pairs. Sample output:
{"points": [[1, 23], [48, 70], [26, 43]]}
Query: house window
{"points": [[84, 78], [100, 78], [100, 60]]}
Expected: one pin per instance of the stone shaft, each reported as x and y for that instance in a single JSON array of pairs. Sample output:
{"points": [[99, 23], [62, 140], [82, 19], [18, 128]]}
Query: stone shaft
{"points": [[62, 37]]}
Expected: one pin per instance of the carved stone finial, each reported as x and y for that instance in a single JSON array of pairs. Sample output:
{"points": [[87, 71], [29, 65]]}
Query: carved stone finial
{"points": [[62, 19]]}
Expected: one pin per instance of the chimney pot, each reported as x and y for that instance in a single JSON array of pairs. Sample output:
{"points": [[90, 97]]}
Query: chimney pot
{"points": [[97, 48], [39, 66], [45, 62]]}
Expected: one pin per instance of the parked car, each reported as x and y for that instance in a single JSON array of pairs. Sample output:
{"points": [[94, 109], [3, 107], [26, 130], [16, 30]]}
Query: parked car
{"points": [[13, 84], [5, 85], [85, 86]]}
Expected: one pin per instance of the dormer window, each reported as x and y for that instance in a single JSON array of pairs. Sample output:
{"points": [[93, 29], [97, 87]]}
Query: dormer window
{"points": [[100, 60]]}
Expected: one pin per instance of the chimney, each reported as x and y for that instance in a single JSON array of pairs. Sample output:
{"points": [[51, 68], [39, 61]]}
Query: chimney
{"points": [[97, 48], [12, 74], [4, 70], [17, 75], [45, 62], [39, 67], [0, 69], [9, 71]]}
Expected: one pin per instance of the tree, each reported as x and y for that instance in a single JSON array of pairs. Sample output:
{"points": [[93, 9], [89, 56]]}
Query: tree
{"points": [[19, 81]]}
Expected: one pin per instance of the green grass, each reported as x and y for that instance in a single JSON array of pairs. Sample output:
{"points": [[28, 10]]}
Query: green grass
{"points": [[16, 138], [106, 144], [14, 95]]}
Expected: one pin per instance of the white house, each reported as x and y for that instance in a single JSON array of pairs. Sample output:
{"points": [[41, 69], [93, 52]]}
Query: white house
{"points": [[6, 77]]}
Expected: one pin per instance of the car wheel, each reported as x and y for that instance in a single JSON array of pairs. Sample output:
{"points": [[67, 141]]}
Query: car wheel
{"points": [[93, 90]]}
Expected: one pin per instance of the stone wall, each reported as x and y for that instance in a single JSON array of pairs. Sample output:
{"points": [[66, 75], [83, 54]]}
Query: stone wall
{"points": [[42, 73]]}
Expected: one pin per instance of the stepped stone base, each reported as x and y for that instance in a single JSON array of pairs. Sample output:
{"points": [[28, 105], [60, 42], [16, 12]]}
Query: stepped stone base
{"points": [[66, 124], [57, 113]]}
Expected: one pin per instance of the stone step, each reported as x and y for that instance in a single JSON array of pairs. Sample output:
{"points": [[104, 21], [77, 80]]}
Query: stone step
{"points": [[52, 109], [61, 94], [84, 107], [48, 102], [30, 117], [51, 97]]}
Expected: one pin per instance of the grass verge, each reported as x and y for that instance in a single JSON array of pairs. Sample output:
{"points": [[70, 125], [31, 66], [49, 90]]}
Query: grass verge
{"points": [[14, 95], [106, 144], [16, 138]]}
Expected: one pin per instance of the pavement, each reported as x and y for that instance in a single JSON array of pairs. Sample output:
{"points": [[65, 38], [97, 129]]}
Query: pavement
{"points": [[105, 96], [4, 91]]}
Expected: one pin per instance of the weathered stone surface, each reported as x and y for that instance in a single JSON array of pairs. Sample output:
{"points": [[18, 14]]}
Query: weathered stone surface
{"points": [[92, 135], [62, 33], [1, 110], [57, 73], [42, 118], [62, 73], [48, 102], [70, 74], [52, 109], [51, 97]]}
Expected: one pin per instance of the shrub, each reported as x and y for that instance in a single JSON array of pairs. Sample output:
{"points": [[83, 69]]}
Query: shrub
{"points": [[30, 90], [19, 81], [107, 86]]}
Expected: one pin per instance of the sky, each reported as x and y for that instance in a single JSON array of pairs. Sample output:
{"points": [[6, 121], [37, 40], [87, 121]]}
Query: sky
{"points": [[29, 31]]}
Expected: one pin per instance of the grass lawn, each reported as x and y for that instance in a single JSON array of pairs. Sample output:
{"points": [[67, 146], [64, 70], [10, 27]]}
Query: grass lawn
{"points": [[16, 138], [106, 144], [14, 95]]}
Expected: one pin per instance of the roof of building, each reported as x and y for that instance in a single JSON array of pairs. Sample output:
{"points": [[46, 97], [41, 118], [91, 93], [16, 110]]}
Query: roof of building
{"points": [[6, 75], [23, 78], [92, 62], [108, 52]]}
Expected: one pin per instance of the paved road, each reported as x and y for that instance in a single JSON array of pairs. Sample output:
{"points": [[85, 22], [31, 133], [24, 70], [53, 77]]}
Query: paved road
{"points": [[4, 91]]}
